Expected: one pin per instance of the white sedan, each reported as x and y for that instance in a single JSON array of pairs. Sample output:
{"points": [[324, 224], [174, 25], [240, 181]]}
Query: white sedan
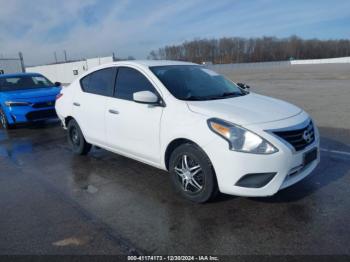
{"points": [[208, 132]]}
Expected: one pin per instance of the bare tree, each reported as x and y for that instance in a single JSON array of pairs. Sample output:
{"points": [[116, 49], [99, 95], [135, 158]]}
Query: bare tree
{"points": [[238, 50]]}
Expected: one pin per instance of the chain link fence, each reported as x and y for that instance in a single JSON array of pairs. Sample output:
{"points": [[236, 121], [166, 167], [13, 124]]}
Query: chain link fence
{"points": [[12, 65]]}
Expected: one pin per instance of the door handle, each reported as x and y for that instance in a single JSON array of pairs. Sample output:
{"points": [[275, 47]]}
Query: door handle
{"points": [[76, 104], [113, 111]]}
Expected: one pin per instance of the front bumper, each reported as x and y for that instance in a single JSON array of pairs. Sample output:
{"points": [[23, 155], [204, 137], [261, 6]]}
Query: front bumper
{"points": [[23, 114], [231, 166]]}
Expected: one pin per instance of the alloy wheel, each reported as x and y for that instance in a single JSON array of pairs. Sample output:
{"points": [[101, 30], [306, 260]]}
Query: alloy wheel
{"points": [[190, 174], [3, 120]]}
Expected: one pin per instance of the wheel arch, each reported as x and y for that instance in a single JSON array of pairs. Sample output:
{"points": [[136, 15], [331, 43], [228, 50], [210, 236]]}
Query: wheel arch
{"points": [[67, 119], [172, 146], [175, 143]]}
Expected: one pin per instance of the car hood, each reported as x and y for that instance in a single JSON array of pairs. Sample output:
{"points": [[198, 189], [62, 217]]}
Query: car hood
{"points": [[31, 93], [246, 110]]}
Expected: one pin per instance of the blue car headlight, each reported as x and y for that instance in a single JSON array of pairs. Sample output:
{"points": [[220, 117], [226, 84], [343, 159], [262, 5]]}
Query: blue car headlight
{"points": [[17, 103]]}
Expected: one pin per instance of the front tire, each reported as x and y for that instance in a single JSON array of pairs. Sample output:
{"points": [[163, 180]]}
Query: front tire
{"points": [[76, 139], [192, 173], [3, 121]]}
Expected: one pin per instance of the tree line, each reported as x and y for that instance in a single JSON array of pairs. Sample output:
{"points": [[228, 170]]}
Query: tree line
{"points": [[242, 50]]}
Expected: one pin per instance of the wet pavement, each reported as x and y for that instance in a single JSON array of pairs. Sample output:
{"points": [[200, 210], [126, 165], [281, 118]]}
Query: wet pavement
{"points": [[52, 202]]}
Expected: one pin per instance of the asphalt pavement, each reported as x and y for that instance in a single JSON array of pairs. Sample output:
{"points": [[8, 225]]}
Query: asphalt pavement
{"points": [[53, 202]]}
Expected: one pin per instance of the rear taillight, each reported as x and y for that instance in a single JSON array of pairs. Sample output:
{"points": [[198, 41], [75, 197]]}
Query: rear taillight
{"points": [[58, 96]]}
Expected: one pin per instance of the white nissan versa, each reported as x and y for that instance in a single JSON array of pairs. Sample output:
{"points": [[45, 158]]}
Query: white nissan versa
{"points": [[208, 132]]}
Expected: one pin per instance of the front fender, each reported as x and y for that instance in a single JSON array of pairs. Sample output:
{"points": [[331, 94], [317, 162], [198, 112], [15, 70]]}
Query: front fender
{"points": [[183, 124]]}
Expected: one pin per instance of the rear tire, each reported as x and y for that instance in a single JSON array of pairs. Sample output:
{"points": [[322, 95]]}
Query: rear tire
{"points": [[76, 139], [3, 121], [192, 173]]}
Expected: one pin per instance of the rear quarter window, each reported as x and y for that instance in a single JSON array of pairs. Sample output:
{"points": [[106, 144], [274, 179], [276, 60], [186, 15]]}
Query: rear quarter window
{"points": [[100, 82]]}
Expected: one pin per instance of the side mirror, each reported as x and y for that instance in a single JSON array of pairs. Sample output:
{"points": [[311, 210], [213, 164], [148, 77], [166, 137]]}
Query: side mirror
{"points": [[57, 84], [243, 86], [146, 97]]}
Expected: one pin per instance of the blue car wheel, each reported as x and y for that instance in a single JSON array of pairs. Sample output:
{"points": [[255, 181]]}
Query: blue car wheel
{"points": [[3, 121]]}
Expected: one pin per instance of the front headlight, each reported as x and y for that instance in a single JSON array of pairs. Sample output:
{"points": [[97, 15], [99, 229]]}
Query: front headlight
{"points": [[17, 103], [241, 139]]}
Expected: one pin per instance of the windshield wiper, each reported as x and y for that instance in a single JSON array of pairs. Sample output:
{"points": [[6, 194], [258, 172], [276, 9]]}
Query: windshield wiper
{"points": [[230, 94], [195, 98], [203, 98], [223, 95]]}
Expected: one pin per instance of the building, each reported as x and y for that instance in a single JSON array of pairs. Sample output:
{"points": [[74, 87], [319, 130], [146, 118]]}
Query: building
{"points": [[67, 72]]}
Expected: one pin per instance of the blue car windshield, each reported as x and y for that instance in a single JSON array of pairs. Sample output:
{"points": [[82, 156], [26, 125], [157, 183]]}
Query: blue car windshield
{"points": [[192, 82], [13, 83]]}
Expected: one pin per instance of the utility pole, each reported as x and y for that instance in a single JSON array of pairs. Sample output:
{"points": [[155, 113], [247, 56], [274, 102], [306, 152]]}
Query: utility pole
{"points": [[22, 62], [65, 55], [55, 57]]}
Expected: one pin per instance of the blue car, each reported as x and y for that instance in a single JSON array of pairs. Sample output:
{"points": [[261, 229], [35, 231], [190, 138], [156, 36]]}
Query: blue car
{"points": [[26, 97]]}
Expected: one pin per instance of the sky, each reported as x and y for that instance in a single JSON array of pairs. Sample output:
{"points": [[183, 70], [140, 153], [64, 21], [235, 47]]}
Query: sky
{"points": [[90, 28]]}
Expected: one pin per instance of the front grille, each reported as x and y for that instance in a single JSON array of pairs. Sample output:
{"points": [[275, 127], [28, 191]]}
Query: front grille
{"points": [[298, 138], [42, 114], [43, 104]]}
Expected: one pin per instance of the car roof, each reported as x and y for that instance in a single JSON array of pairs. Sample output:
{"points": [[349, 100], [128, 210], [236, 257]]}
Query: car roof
{"points": [[19, 75], [149, 63]]}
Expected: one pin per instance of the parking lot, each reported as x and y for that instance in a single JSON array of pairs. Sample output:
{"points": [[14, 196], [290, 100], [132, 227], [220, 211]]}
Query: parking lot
{"points": [[53, 202]]}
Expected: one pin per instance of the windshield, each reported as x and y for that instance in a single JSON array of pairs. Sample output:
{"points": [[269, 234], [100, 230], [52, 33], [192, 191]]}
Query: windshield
{"points": [[13, 83], [187, 82]]}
